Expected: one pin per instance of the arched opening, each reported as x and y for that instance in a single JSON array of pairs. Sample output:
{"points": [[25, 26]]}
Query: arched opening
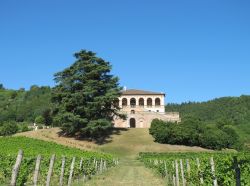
{"points": [[132, 112], [157, 102], [132, 102], [124, 102], [149, 102], [141, 102], [132, 123], [116, 102]]}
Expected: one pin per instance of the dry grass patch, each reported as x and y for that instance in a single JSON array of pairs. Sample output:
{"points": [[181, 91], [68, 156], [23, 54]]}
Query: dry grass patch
{"points": [[125, 143]]}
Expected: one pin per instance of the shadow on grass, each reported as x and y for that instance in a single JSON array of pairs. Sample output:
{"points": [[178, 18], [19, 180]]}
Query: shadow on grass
{"points": [[107, 138], [104, 139]]}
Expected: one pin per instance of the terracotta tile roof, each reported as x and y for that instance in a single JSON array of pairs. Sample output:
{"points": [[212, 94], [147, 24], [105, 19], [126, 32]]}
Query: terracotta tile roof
{"points": [[140, 92]]}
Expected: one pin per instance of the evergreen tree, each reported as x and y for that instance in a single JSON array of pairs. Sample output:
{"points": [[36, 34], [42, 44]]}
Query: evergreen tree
{"points": [[85, 96], [2, 87]]}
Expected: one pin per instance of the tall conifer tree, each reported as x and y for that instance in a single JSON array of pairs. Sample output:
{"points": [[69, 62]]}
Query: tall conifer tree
{"points": [[85, 96]]}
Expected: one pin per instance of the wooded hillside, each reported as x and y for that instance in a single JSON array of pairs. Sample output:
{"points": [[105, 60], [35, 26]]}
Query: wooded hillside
{"points": [[236, 110], [24, 106]]}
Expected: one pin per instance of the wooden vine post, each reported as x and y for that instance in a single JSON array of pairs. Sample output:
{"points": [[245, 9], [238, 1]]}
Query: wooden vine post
{"points": [[71, 171], [37, 167], [51, 164], [237, 171], [182, 173], [174, 179], [105, 165], [101, 166], [188, 169], [213, 171], [177, 173], [166, 172], [62, 172], [96, 167], [199, 170], [16, 168], [80, 166]]}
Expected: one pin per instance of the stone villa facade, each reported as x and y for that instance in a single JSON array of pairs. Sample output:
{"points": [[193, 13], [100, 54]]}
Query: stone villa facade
{"points": [[141, 107]]}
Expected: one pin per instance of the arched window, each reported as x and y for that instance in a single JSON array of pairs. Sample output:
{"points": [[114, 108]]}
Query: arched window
{"points": [[157, 102], [116, 102], [124, 102], [132, 102], [149, 102], [141, 102]]}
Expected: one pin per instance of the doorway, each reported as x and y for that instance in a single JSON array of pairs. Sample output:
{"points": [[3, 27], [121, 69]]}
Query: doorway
{"points": [[132, 123]]}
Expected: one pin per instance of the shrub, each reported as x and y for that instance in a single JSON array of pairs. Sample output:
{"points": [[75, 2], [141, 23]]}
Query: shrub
{"points": [[24, 128], [158, 130], [8, 128], [40, 126], [47, 117], [39, 120], [193, 132], [232, 136], [213, 139]]}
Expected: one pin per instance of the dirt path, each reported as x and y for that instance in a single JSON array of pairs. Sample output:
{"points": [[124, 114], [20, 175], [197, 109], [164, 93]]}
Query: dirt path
{"points": [[129, 172]]}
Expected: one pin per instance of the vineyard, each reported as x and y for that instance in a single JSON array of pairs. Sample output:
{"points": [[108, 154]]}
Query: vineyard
{"points": [[200, 168], [47, 163]]}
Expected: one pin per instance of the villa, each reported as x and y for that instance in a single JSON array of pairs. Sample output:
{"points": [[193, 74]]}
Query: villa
{"points": [[141, 107]]}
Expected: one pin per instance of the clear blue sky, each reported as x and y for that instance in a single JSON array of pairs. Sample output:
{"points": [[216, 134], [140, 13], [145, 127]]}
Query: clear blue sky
{"points": [[193, 50]]}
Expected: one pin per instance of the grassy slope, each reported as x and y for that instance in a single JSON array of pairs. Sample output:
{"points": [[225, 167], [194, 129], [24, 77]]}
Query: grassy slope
{"points": [[126, 144], [130, 143]]}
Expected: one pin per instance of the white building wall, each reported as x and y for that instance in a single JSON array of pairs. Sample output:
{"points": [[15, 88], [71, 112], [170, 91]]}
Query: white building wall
{"points": [[144, 114]]}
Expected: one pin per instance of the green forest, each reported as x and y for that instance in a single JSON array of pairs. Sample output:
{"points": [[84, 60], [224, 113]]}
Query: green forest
{"points": [[24, 106], [234, 110], [21, 108]]}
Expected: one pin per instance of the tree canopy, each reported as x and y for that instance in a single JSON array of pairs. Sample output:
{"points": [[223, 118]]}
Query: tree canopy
{"points": [[235, 109], [24, 106], [85, 95], [193, 132]]}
